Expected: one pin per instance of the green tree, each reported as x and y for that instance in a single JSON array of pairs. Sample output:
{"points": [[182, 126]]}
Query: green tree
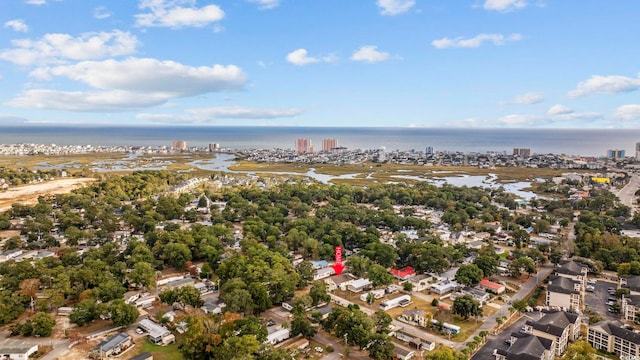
{"points": [[122, 314], [84, 312], [43, 324], [520, 305], [469, 274], [301, 325], [380, 347], [580, 350], [382, 320], [379, 276], [445, 353], [305, 269], [318, 293], [143, 274], [466, 307], [488, 264], [176, 255]]}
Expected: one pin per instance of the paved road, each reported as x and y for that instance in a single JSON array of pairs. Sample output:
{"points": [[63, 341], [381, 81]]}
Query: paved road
{"points": [[627, 194], [490, 322]]}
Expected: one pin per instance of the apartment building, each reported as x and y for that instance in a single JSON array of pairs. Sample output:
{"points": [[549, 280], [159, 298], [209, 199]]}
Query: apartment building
{"points": [[612, 337]]}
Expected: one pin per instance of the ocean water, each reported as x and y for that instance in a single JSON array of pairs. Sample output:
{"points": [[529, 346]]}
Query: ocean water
{"points": [[587, 142]]}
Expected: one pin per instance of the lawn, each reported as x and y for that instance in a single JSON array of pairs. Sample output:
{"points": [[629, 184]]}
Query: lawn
{"points": [[169, 352]]}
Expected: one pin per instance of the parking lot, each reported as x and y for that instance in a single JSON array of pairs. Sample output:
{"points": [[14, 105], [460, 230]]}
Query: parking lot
{"points": [[498, 341], [596, 301]]}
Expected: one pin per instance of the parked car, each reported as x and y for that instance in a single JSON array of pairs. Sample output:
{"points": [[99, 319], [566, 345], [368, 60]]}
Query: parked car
{"points": [[139, 331], [508, 341], [592, 281], [590, 288]]}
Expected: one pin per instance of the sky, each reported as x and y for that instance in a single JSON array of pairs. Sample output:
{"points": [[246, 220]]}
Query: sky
{"points": [[396, 63]]}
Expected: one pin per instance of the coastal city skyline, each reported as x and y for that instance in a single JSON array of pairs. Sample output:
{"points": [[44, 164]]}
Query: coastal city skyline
{"points": [[401, 63]]}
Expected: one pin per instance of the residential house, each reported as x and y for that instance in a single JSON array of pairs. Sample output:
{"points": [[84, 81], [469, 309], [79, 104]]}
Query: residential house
{"points": [[491, 287], [323, 273], [415, 340], [359, 285], [212, 306], [420, 282], [316, 265], [323, 310], [157, 333], [143, 356], [417, 316], [17, 350], [561, 327], [477, 295], [339, 281], [278, 336], [526, 347], [175, 284], [113, 346], [402, 301], [10, 254], [402, 353], [563, 292], [612, 337], [403, 274], [443, 287]]}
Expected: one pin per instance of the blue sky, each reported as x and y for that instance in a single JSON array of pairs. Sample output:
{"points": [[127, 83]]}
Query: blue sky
{"points": [[420, 63]]}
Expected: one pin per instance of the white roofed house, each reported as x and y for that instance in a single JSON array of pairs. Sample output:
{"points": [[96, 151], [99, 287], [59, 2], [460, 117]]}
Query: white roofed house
{"points": [[359, 285], [420, 282], [157, 333], [339, 281], [17, 350]]}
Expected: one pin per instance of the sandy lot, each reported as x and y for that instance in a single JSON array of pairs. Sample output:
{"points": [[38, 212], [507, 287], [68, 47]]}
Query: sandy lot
{"points": [[28, 194]]}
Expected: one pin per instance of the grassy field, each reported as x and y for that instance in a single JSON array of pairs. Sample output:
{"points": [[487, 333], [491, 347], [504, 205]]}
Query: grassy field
{"points": [[169, 352]]}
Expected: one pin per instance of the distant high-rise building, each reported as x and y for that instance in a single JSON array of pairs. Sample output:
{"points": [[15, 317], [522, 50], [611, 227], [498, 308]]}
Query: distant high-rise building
{"points": [[615, 154], [638, 151], [179, 145], [381, 154], [214, 147], [522, 152], [328, 144], [303, 146], [428, 150]]}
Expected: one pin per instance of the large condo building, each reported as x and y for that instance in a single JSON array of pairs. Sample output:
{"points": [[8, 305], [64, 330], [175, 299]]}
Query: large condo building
{"points": [[616, 154], [329, 144], [522, 152], [179, 145], [303, 146], [638, 151]]}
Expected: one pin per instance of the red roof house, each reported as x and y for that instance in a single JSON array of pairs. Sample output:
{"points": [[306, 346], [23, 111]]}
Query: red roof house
{"points": [[403, 274], [490, 286]]}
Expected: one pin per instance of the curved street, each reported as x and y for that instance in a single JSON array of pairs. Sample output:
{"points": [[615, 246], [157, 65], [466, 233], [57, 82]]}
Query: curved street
{"points": [[627, 194]]}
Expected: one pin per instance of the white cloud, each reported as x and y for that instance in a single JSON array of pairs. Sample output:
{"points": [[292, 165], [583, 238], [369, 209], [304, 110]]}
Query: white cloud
{"points": [[559, 109], [504, 5], [370, 54], [58, 48], [35, 2], [525, 120], [88, 101], [17, 25], [628, 112], [300, 57], [526, 99], [217, 28], [266, 4], [149, 75], [6, 118], [395, 7], [172, 14], [101, 12], [476, 41], [605, 85], [204, 115]]}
